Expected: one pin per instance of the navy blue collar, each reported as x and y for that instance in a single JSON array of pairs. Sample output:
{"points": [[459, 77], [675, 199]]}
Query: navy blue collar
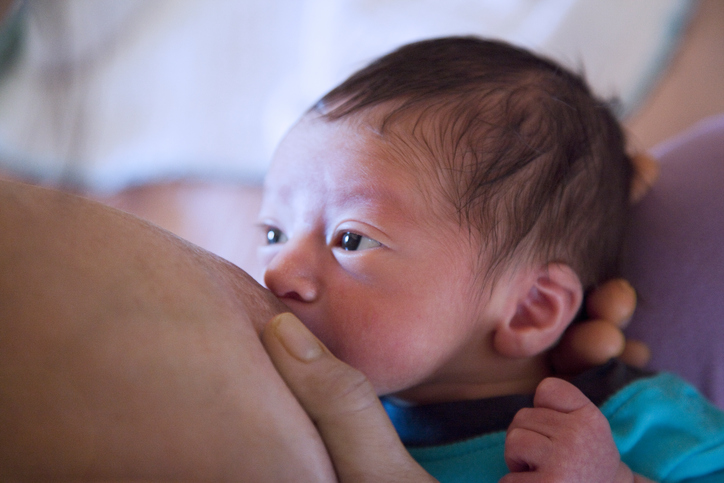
{"points": [[433, 424]]}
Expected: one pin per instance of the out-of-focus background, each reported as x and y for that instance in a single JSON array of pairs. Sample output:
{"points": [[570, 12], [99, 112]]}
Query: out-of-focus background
{"points": [[171, 109]]}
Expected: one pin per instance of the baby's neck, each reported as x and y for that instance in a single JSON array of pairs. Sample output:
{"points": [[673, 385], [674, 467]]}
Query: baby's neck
{"points": [[521, 377]]}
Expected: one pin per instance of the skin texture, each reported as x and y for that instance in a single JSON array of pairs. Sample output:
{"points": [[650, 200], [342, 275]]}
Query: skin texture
{"points": [[364, 304], [555, 439], [412, 270], [359, 435], [563, 438], [128, 353]]}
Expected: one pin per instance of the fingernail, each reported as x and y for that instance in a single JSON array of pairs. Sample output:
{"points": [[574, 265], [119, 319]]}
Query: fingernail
{"points": [[296, 338]]}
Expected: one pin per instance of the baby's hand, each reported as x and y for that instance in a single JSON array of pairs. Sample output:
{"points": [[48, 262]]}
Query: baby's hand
{"points": [[564, 438]]}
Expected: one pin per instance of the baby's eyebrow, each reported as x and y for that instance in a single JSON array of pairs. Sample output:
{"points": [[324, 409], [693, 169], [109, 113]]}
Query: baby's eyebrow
{"points": [[380, 203], [369, 194]]}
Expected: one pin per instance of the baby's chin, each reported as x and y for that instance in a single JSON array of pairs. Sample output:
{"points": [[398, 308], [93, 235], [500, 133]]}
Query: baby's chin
{"points": [[386, 376]]}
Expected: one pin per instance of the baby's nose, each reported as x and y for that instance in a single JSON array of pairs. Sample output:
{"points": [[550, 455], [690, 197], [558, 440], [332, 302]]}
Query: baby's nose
{"points": [[291, 275]]}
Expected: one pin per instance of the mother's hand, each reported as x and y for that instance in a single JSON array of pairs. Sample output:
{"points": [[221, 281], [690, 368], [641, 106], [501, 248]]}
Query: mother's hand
{"points": [[343, 405], [594, 341]]}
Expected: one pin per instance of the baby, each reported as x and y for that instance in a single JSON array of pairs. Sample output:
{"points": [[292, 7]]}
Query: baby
{"points": [[468, 192]]}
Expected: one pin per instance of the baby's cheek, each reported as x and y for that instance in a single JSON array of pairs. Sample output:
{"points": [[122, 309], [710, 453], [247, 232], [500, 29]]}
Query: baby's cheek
{"points": [[392, 356]]}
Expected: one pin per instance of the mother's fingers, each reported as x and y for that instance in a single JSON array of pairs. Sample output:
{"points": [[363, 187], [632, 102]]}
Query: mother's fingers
{"points": [[342, 403], [614, 301], [587, 344], [646, 172], [593, 342]]}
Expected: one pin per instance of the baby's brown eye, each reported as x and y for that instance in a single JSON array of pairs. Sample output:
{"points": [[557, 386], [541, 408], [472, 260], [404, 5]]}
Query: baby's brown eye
{"points": [[354, 241], [274, 236], [350, 241]]}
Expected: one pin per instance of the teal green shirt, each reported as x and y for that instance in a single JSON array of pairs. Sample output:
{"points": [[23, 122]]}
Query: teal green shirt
{"points": [[663, 428]]}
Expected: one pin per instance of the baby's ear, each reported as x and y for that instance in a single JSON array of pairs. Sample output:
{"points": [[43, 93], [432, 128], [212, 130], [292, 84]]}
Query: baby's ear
{"points": [[547, 301]]}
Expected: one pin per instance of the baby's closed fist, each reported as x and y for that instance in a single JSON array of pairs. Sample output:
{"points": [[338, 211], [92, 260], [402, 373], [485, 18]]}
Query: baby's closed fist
{"points": [[563, 438]]}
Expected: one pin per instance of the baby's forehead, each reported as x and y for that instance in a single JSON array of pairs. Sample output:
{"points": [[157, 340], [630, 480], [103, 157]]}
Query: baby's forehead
{"points": [[380, 137], [350, 162]]}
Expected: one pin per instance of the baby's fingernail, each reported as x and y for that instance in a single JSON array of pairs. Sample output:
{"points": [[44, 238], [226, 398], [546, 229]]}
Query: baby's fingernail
{"points": [[296, 338]]}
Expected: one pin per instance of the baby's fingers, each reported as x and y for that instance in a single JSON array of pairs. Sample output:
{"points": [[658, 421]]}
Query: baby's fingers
{"points": [[525, 449], [527, 477], [559, 395]]}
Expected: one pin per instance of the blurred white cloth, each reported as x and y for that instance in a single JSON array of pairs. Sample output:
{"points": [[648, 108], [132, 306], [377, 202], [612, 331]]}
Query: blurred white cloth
{"points": [[109, 93]]}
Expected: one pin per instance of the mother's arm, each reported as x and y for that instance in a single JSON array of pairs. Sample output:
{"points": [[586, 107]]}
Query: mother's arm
{"points": [[126, 352]]}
